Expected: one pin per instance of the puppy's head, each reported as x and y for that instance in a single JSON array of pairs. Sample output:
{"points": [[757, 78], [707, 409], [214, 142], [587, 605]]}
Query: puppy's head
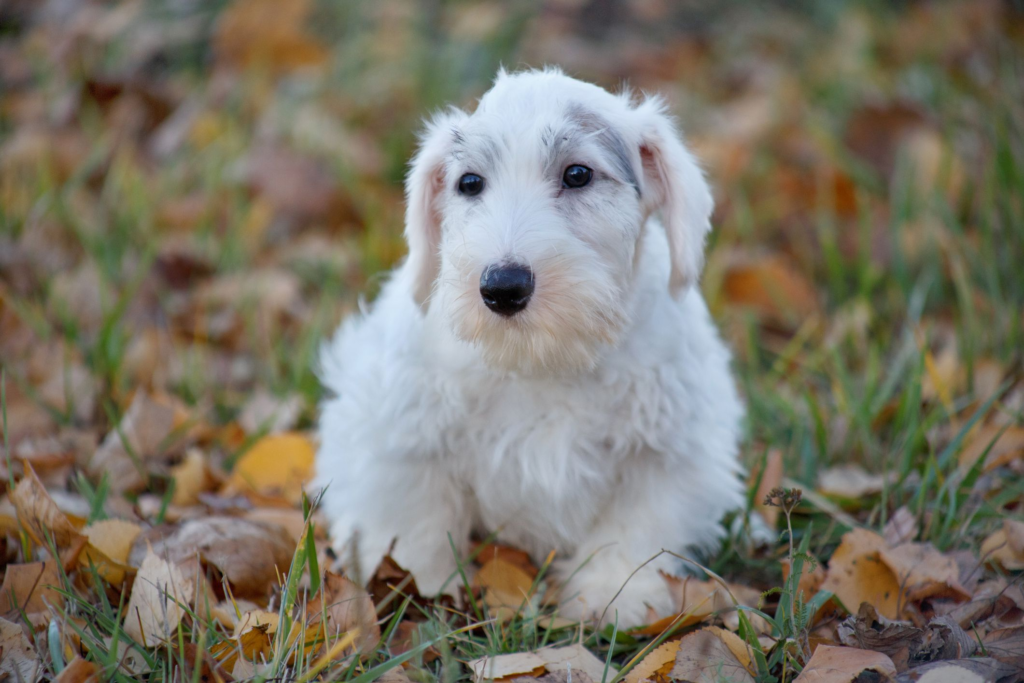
{"points": [[524, 217]]}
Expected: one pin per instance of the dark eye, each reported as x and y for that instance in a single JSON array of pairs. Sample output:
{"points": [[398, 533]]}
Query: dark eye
{"points": [[471, 185], [576, 176]]}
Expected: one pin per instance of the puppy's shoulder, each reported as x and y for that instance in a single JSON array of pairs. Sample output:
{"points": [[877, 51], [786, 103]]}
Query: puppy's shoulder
{"points": [[383, 336]]}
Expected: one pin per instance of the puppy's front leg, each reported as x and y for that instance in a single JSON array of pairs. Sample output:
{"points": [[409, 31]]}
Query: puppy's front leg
{"points": [[411, 503], [656, 505]]}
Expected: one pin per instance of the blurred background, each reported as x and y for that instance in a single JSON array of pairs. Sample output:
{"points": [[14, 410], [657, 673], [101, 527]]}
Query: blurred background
{"points": [[194, 193]]}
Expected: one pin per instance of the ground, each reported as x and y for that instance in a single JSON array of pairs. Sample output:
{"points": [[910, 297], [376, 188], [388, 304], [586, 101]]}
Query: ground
{"points": [[193, 195]]}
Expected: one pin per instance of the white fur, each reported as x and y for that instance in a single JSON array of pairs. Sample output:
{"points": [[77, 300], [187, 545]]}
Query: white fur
{"points": [[602, 421]]}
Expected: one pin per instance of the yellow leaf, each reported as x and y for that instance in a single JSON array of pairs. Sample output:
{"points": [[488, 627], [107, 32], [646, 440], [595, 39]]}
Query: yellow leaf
{"points": [[191, 477], [856, 574], [110, 542], [277, 465], [505, 584], [656, 665]]}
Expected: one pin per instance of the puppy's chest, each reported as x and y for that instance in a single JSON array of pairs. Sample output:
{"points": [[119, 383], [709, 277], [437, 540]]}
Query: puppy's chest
{"points": [[530, 452]]}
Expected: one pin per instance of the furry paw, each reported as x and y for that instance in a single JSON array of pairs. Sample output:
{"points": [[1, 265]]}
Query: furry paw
{"points": [[600, 591]]}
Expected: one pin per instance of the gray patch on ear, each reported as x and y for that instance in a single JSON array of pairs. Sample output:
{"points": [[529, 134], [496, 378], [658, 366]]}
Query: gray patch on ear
{"points": [[608, 138]]}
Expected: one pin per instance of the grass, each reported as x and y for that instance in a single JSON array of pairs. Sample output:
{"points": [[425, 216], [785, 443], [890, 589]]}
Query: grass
{"points": [[902, 269]]}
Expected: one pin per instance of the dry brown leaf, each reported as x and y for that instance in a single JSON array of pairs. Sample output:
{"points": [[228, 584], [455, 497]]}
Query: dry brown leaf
{"points": [[250, 555], [924, 572], [704, 655], [277, 465], [266, 411], [830, 664], [506, 667], [770, 287], [656, 665], [974, 670], [901, 528], [160, 596], [40, 516], [849, 481], [267, 33], [31, 588], [770, 479], [141, 436], [699, 600], [1005, 547], [19, 660], [77, 670], [288, 519], [1006, 645], [857, 574], [1002, 446], [554, 660], [348, 607]]}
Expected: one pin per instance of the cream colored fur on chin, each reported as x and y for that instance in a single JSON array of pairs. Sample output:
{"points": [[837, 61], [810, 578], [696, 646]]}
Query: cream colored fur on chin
{"points": [[601, 420]]}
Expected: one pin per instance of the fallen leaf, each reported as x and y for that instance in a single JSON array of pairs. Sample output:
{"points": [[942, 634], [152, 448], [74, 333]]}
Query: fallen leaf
{"points": [[113, 539], [975, 670], [856, 574], [849, 481], [770, 287], [656, 665], [506, 667], [77, 670], [40, 516], [264, 411], [698, 600], [191, 476], [704, 655], [348, 607], [277, 465], [506, 586], [19, 660], [1006, 645], [557, 659], [250, 555], [141, 436], [1002, 445], [901, 528], [267, 33], [941, 638], [1005, 547], [288, 519], [830, 664], [30, 588], [268, 621], [252, 645], [924, 572], [160, 596]]}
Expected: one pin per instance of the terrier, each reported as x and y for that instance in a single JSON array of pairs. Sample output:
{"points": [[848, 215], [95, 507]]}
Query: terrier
{"points": [[542, 366]]}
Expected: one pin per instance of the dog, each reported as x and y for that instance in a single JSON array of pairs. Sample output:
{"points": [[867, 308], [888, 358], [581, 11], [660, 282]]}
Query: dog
{"points": [[542, 366]]}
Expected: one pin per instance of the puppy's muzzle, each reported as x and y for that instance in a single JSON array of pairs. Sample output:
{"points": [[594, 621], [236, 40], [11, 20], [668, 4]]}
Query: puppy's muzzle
{"points": [[506, 289]]}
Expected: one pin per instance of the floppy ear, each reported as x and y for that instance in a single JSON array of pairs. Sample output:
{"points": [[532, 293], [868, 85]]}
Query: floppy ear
{"points": [[675, 186], [423, 186]]}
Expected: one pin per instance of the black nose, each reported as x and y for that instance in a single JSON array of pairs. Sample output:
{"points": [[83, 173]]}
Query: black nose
{"points": [[506, 289]]}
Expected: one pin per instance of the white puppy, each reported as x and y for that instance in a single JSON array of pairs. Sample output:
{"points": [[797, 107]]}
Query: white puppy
{"points": [[542, 365]]}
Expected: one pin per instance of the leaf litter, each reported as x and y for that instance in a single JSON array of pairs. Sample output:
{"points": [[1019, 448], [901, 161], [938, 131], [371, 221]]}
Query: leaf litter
{"points": [[159, 418]]}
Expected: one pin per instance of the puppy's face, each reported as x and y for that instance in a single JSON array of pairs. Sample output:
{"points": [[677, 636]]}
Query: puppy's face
{"points": [[534, 207]]}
